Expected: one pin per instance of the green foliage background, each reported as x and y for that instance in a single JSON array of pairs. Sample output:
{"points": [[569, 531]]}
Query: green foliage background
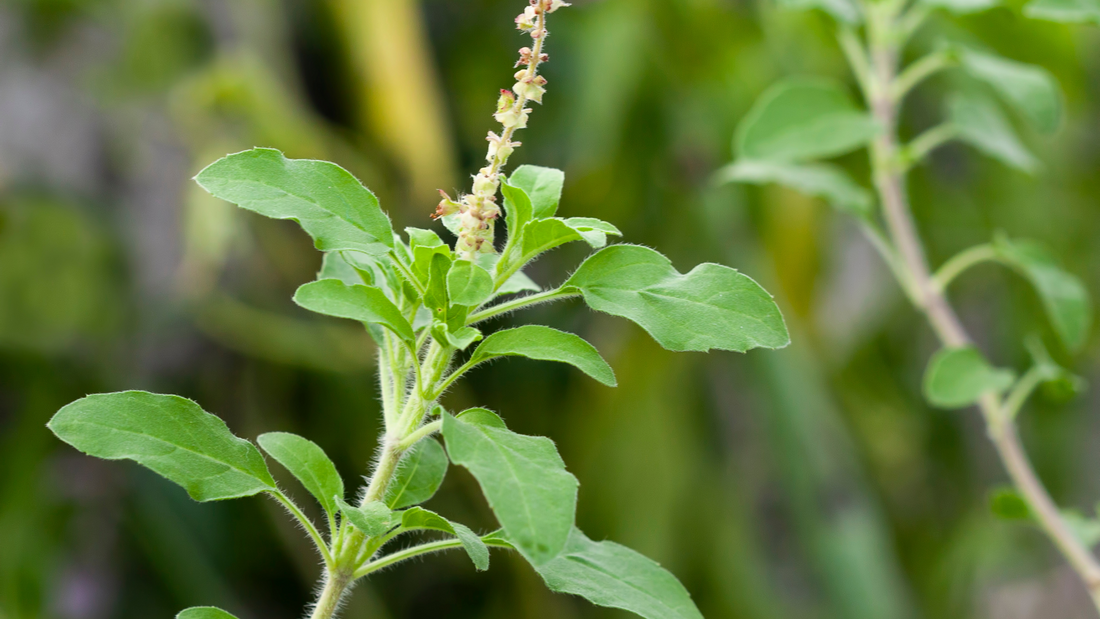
{"points": [[810, 482]]}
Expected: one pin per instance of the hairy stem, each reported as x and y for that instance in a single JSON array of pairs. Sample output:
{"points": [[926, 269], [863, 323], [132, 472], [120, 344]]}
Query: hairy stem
{"points": [[520, 303], [889, 181]]}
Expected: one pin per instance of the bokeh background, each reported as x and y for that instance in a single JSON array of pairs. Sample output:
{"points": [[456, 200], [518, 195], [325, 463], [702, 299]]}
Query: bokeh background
{"points": [[807, 483]]}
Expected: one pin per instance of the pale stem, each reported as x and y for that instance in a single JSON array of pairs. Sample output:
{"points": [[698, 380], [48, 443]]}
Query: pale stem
{"points": [[889, 182], [961, 262]]}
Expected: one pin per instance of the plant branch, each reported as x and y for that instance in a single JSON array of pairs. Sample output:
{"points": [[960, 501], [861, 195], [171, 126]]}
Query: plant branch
{"points": [[423, 432], [408, 553], [1022, 391], [520, 303], [961, 262], [889, 181], [921, 70], [314, 534], [927, 142]]}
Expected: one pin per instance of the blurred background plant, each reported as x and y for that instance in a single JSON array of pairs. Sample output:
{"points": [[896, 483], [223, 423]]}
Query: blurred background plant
{"points": [[827, 487]]}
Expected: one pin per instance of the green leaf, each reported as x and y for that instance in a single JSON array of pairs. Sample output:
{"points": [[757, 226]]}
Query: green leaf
{"points": [[1007, 504], [419, 475], [962, 7], [334, 266], [419, 518], [518, 283], [171, 435], [844, 11], [1066, 11], [308, 463], [1064, 296], [368, 304], [821, 180], [418, 237], [545, 344], [1059, 382], [524, 480], [481, 416], [329, 203], [542, 185], [543, 235], [435, 295], [1085, 529], [959, 377], [800, 119], [458, 339], [204, 612], [468, 284], [713, 306], [611, 575], [1029, 88], [981, 124], [373, 519], [517, 209]]}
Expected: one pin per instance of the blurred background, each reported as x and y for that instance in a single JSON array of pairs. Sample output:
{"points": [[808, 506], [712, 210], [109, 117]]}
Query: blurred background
{"points": [[807, 483]]}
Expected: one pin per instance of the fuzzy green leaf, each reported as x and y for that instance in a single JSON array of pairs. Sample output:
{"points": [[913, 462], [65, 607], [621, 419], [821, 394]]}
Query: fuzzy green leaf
{"points": [[204, 612], [373, 519], [308, 463], [801, 119], [542, 185], [844, 11], [712, 307], [821, 180], [546, 344], [334, 266], [1066, 11], [1029, 88], [962, 7], [418, 518], [517, 208], [981, 124], [468, 284], [611, 575], [959, 377], [171, 435], [368, 304], [518, 283], [524, 480], [419, 475], [329, 203], [459, 338], [419, 237], [543, 235], [481, 416], [1064, 296]]}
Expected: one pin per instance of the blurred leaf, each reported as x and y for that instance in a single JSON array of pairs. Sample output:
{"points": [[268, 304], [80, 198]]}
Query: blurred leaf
{"points": [[368, 304], [1072, 11], [545, 344], [611, 575], [1006, 503], [373, 519], [1085, 529], [962, 7], [981, 124], [309, 465], [419, 475], [525, 481], [1064, 296], [204, 612], [959, 377], [713, 306], [844, 11], [419, 518], [329, 203], [800, 119], [170, 435], [543, 187], [468, 284], [821, 180], [1030, 89]]}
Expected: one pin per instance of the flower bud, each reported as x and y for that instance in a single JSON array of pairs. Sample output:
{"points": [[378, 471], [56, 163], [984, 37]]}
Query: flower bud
{"points": [[553, 5], [506, 101], [447, 206], [529, 91], [484, 184], [528, 19]]}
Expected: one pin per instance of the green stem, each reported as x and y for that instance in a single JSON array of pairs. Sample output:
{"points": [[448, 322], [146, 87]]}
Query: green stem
{"points": [[422, 433], [516, 304], [927, 142], [1022, 391], [336, 585], [920, 71], [961, 262], [416, 551], [318, 540], [407, 273]]}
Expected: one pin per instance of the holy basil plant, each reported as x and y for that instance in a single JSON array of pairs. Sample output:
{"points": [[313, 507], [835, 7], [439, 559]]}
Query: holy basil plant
{"points": [[429, 308], [799, 124]]}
